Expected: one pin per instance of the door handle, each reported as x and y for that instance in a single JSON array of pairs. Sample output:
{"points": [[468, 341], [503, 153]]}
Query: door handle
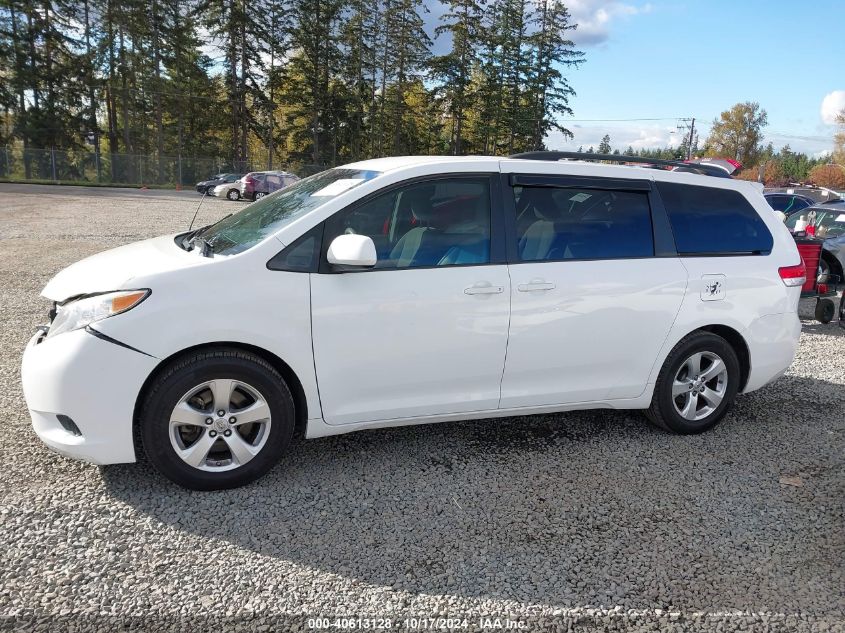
{"points": [[484, 288], [535, 284]]}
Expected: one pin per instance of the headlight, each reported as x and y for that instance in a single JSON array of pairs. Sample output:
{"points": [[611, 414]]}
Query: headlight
{"points": [[81, 312]]}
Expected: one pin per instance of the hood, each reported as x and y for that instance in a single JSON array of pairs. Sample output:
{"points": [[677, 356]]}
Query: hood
{"points": [[116, 268]]}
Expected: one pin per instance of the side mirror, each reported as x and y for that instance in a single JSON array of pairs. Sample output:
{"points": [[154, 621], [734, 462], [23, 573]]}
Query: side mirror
{"points": [[352, 251]]}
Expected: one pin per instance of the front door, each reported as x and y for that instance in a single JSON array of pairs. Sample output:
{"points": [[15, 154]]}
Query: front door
{"points": [[591, 303], [425, 331]]}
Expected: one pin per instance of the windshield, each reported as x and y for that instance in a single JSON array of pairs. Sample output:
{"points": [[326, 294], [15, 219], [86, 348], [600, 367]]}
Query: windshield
{"points": [[828, 222], [247, 228]]}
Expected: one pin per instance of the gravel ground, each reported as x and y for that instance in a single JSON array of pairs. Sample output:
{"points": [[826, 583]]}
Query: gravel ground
{"points": [[584, 521]]}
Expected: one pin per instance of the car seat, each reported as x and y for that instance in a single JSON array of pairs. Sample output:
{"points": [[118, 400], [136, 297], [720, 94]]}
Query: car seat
{"points": [[537, 212], [423, 245]]}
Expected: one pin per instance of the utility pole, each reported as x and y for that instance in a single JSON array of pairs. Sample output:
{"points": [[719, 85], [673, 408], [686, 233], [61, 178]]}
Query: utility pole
{"points": [[691, 136], [688, 124]]}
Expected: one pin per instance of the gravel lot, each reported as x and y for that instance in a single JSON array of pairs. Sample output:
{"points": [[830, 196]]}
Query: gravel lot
{"points": [[584, 521]]}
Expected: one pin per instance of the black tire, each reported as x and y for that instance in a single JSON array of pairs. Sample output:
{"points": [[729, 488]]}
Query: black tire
{"points": [[825, 310], [258, 195], [184, 374], [663, 412], [233, 194]]}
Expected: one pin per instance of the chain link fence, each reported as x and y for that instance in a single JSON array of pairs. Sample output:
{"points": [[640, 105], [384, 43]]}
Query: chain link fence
{"points": [[84, 167]]}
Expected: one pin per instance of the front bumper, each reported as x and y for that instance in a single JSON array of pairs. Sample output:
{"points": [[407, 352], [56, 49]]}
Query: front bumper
{"points": [[91, 381]]}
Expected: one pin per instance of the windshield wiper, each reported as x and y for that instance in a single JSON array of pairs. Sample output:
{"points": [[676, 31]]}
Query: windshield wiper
{"points": [[204, 244], [203, 229], [189, 237]]}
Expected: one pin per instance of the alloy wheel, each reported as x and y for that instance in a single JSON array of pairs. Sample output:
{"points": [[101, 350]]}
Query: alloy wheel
{"points": [[220, 425], [699, 386]]}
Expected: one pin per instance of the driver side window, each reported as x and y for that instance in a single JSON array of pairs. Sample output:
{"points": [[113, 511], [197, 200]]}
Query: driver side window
{"points": [[443, 222]]}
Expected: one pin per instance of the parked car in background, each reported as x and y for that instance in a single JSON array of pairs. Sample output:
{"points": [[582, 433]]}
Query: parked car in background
{"points": [[787, 203], [417, 289], [828, 223], [819, 195], [229, 190], [207, 185], [257, 184]]}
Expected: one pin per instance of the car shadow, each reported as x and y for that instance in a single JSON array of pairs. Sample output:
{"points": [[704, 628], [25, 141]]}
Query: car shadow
{"points": [[594, 507], [827, 329]]}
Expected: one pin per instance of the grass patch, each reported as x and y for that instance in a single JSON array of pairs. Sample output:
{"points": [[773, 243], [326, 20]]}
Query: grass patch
{"points": [[87, 183]]}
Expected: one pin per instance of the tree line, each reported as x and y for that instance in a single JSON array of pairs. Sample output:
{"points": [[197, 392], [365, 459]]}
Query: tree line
{"points": [[738, 133], [300, 82]]}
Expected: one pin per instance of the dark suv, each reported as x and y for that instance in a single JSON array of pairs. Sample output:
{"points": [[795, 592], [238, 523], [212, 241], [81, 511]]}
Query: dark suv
{"points": [[258, 184], [788, 203], [206, 185]]}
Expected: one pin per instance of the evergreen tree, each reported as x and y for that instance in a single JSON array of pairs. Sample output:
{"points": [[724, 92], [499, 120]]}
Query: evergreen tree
{"points": [[309, 72], [130, 85], [553, 52], [407, 48], [463, 23]]}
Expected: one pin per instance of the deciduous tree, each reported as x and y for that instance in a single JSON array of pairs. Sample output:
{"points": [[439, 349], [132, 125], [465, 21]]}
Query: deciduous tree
{"points": [[738, 133], [830, 175]]}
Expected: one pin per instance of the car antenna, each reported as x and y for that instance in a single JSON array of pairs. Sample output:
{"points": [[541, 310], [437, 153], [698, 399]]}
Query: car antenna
{"points": [[193, 219]]}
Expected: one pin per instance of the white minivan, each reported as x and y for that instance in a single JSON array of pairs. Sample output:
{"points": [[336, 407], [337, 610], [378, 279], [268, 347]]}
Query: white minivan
{"points": [[411, 290]]}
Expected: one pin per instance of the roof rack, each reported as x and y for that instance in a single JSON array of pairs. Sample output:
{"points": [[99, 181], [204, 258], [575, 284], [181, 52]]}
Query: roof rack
{"points": [[698, 168]]}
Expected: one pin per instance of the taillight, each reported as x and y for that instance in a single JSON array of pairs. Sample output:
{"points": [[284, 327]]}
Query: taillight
{"points": [[793, 275]]}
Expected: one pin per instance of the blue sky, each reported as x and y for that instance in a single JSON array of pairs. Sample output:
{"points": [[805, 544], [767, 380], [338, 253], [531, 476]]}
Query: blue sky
{"points": [[685, 58]]}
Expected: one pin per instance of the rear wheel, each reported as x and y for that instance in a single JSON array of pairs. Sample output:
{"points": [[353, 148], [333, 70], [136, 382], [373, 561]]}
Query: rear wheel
{"points": [[258, 195], [217, 419], [696, 386], [233, 194]]}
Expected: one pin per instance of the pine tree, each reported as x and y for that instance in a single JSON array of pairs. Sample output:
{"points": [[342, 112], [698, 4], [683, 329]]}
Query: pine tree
{"points": [[407, 51], [359, 38], [310, 70], [553, 51], [454, 70]]}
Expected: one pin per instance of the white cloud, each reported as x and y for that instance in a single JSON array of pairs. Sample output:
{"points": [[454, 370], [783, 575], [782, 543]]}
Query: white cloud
{"points": [[594, 18], [832, 104]]}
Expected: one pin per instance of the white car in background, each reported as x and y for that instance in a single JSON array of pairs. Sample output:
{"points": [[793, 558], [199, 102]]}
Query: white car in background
{"points": [[411, 290], [230, 190]]}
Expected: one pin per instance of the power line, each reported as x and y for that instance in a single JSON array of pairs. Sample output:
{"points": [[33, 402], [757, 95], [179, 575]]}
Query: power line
{"points": [[664, 118], [823, 139]]}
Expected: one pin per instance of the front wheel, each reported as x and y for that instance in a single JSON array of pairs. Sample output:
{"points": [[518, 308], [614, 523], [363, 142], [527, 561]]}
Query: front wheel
{"points": [[696, 386], [217, 419], [233, 194]]}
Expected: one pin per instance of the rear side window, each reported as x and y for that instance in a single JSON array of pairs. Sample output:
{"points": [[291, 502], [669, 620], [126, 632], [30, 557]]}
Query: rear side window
{"points": [[787, 204], [711, 221], [778, 203], [554, 224]]}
